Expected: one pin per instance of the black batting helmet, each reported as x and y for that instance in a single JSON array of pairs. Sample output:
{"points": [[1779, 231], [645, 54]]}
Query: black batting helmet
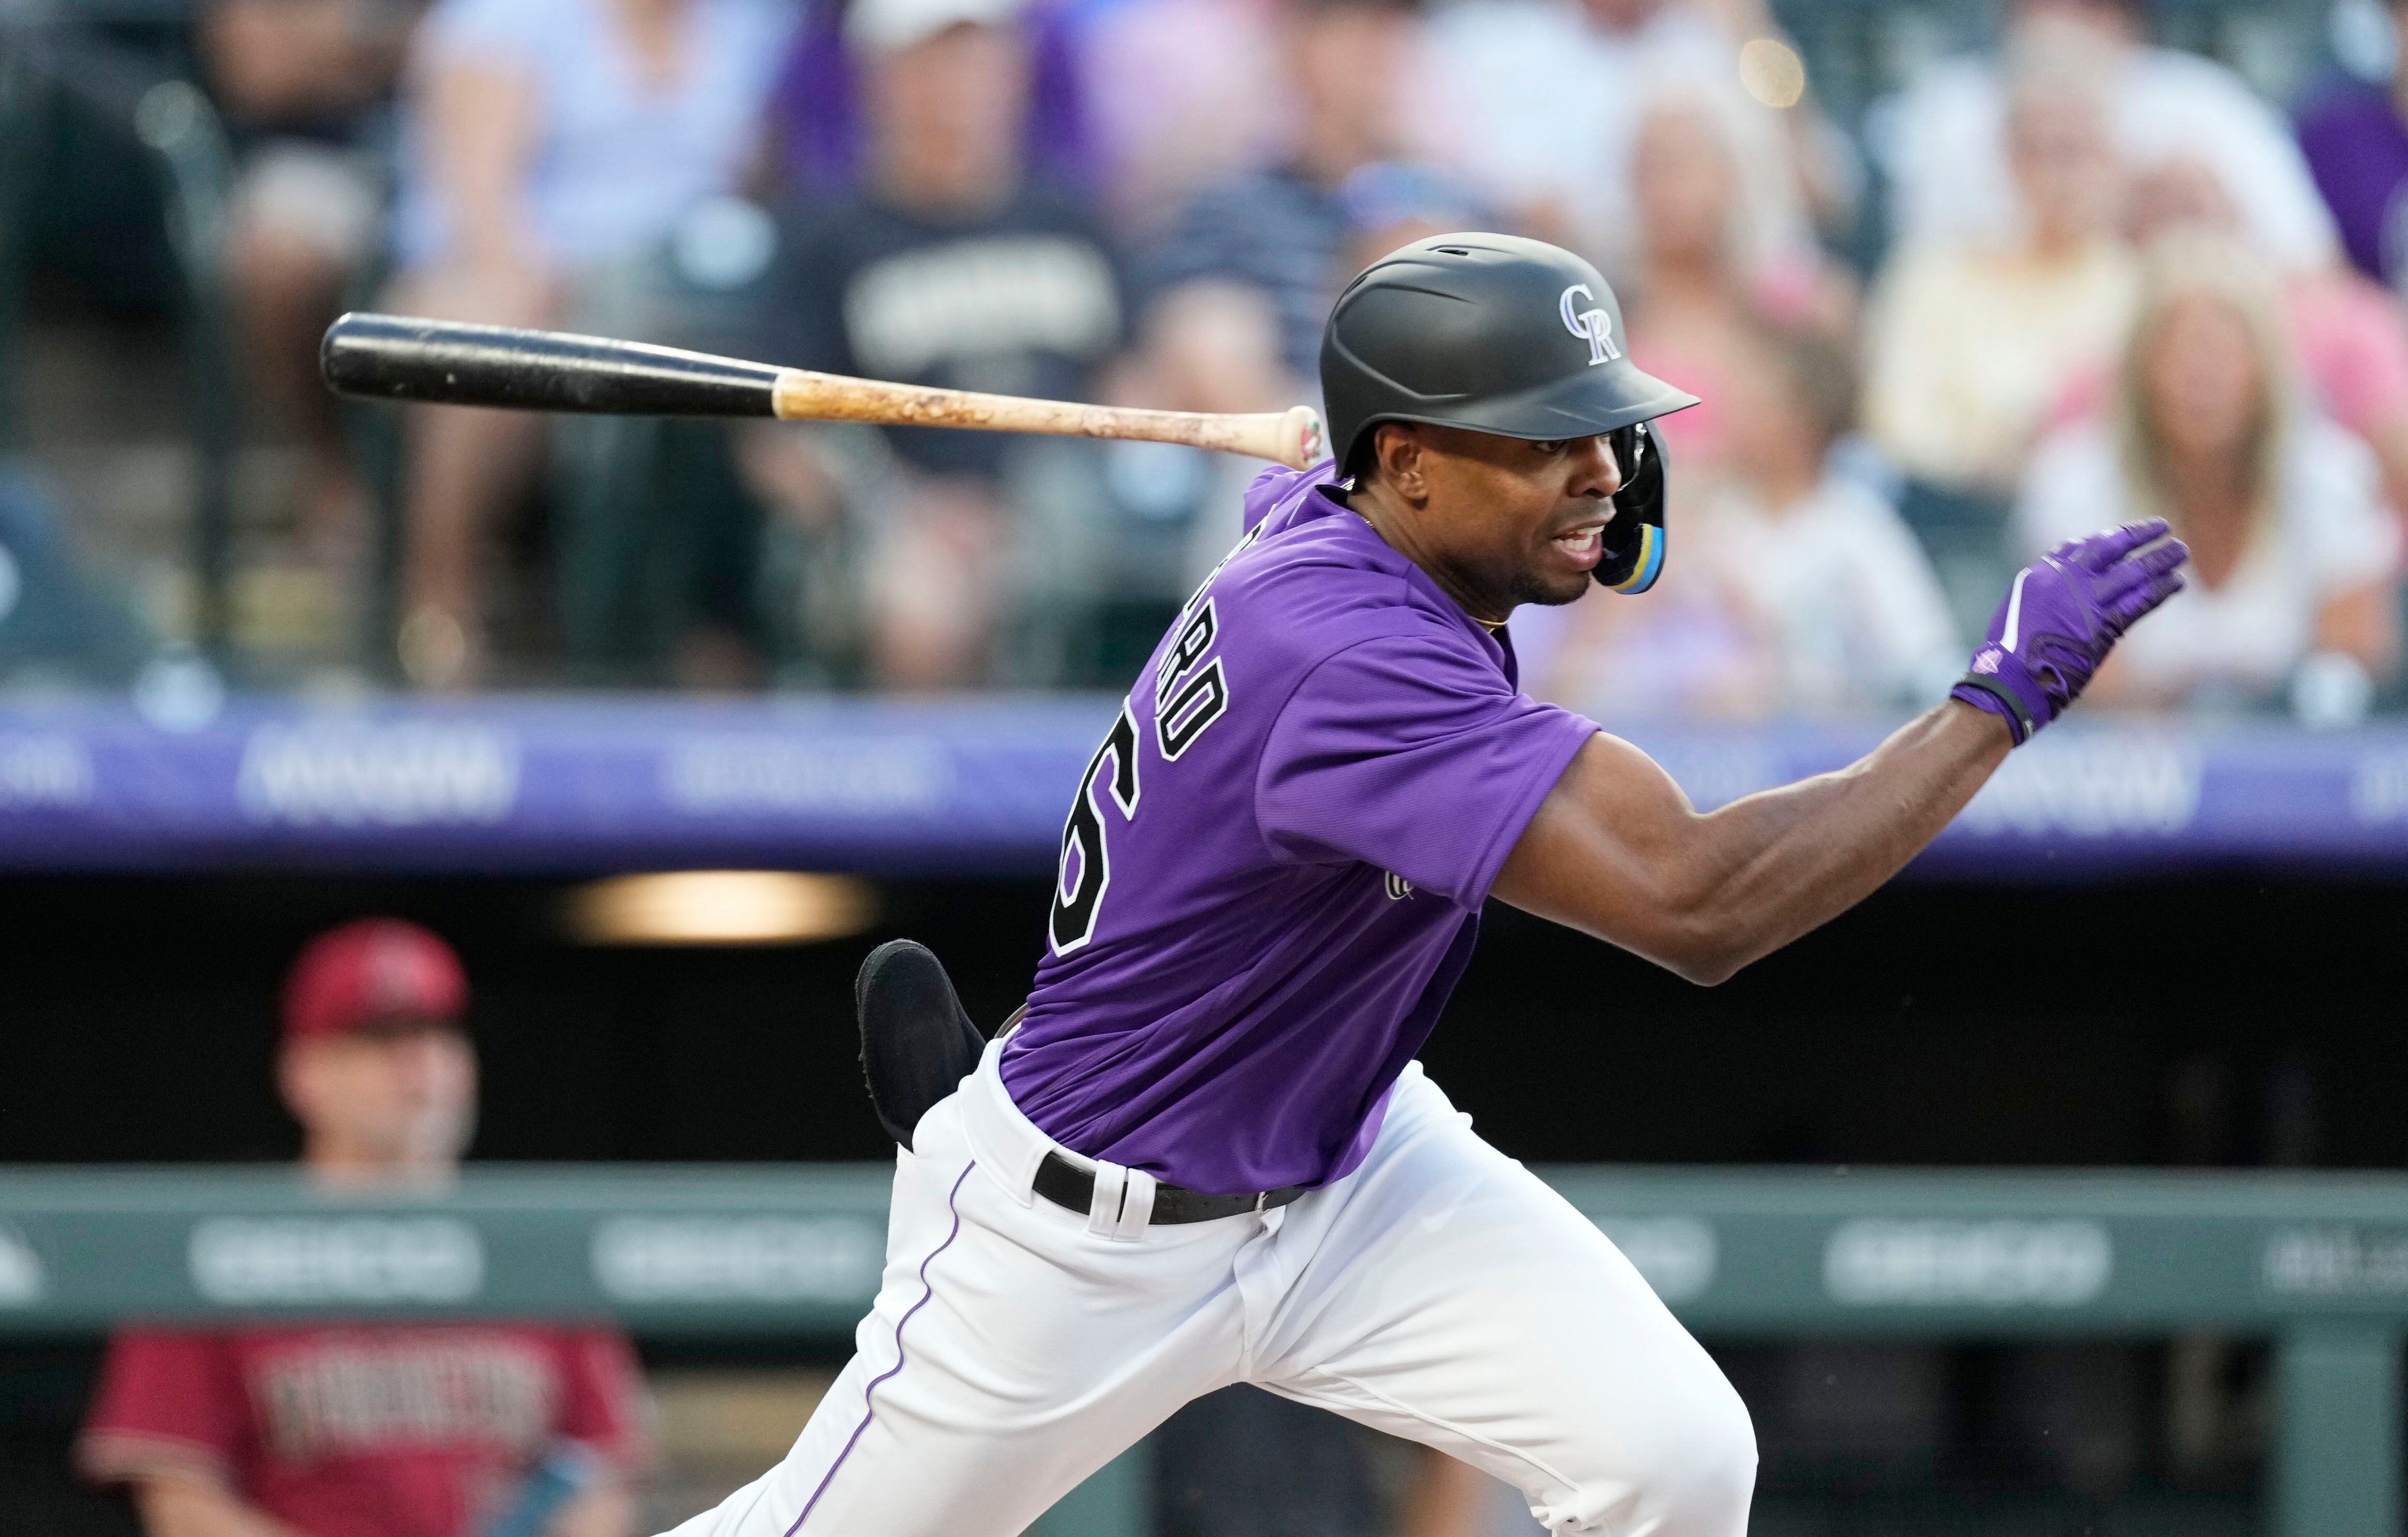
{"points": [[1499, 333]]}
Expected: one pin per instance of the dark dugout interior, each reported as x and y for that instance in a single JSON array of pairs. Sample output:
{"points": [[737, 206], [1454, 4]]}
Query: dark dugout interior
{"points": [[2217, 1020]]}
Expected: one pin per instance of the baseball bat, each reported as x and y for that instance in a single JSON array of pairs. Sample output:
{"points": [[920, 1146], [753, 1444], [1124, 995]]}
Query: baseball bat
{"points": [[449, 363]]}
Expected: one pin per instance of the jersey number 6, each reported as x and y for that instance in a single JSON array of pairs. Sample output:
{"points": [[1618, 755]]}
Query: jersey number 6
{"points": [[1077, 898], [1190, 692]]}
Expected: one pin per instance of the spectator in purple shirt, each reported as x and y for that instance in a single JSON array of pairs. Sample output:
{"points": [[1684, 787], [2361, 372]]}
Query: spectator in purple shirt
{"points": [[819, 134], [2356, 139], [1181, 94]]}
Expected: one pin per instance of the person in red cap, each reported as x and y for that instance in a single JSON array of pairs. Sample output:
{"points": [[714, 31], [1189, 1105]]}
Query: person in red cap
{"points": [[373, 1429]]}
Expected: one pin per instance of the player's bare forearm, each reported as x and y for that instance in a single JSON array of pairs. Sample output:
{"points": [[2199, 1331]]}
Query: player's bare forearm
{"points": [[606, 1511], [1618, 852], [195, 1506]]}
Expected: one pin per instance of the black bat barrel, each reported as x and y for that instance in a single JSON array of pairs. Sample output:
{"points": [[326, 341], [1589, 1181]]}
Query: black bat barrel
{"points": [[449, 363]]}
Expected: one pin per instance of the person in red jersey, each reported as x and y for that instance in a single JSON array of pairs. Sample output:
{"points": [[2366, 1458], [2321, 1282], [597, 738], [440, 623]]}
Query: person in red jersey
{"points": [[372, 1429]]}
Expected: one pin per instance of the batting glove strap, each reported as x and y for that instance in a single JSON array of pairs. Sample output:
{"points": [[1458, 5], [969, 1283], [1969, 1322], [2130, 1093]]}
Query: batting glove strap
{"points": [[1999, 683]]}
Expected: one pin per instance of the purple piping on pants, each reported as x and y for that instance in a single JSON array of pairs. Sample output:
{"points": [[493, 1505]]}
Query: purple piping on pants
{"points": [[928, 1290]]}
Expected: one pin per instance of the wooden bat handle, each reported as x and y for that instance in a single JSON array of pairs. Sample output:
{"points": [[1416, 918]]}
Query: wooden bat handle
{"points": [[1292, 437]]}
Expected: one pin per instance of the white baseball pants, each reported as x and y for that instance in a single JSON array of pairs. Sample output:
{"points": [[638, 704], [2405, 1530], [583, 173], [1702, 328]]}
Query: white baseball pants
{"points": [[1441, 1292]]}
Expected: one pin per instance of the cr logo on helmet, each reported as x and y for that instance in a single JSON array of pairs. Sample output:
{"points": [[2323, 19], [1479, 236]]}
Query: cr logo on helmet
{"points": [[1592, 325]]}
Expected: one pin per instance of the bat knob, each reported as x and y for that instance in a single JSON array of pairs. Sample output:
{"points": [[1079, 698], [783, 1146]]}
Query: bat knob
{"points": [[1302, 427]]}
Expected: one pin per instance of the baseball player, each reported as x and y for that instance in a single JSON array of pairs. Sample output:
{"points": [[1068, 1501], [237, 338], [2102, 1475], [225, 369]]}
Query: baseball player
{"points": [[389, 1428], [1204, 1154]]}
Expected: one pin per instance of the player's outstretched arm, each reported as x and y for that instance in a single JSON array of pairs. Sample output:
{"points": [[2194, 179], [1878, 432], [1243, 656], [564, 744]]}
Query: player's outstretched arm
{"points": [[1617, 851]]}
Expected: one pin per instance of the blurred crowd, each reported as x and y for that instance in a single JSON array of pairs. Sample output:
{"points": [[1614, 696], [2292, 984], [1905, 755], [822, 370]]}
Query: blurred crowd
{"points": [[2110, 282]]}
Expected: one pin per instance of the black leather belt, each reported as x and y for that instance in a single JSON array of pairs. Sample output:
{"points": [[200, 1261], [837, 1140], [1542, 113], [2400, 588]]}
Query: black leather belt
{"points": [[1065, 1184]]}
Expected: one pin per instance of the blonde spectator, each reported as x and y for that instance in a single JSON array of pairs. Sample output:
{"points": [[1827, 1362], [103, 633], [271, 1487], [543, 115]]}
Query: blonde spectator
{"points": [[549, 140], [2292, 556], [1708, 269], [1971, 344], [1797, 591], [2348, 334]]}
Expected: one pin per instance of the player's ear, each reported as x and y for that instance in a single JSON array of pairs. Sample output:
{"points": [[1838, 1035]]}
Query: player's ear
{"points": [[300, 1078], [1397, 448], [292, 1080]]}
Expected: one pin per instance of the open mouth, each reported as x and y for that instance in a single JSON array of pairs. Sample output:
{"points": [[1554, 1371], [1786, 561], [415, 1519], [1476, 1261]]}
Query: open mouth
{"points": [[1582, 546]]}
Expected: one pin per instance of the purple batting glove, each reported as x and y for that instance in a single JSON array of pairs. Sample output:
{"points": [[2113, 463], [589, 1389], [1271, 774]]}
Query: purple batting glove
{"points": [[2062, 616]]}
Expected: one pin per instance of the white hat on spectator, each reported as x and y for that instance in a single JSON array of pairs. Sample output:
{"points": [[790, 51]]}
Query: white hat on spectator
{"points": [[890, 26]]}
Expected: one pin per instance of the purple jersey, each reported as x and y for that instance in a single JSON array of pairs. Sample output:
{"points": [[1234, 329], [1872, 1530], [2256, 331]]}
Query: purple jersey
{"points": [[1272, 875]]}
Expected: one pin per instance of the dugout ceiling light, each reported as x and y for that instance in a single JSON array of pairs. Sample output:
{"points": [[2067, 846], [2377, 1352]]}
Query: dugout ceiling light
{"points": [[719, 907]]}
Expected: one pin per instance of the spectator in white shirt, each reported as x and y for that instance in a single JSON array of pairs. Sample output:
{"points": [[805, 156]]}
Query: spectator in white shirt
{"points": [[547, 139], [1972, 343], [2292, 555], [1947, 147], [1792, 590], [1537, 105]]}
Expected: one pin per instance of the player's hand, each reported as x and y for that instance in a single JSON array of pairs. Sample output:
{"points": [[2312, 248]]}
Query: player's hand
{"points": [[2062, 615]]}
